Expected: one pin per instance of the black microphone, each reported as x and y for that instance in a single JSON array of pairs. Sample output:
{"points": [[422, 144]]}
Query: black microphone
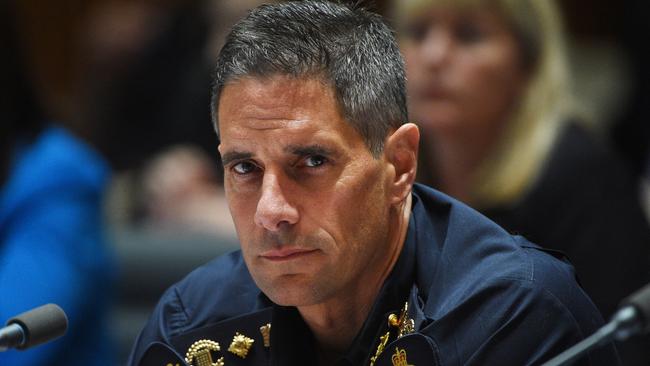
{"points": [[633, 318], [33, 327]]}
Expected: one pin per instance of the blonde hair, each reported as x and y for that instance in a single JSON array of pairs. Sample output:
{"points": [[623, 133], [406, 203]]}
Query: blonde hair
{"points": [[519, 155]]}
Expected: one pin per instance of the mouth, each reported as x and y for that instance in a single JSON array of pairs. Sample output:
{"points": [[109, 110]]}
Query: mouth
{"points": [[286, 254], [434, 93]]}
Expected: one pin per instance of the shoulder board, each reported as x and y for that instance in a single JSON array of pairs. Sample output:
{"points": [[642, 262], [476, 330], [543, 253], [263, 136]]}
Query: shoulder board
{"points": [[244, 340]]}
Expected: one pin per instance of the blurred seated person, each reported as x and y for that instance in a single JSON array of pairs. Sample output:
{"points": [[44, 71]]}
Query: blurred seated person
{"points": [[489, 88], [52, 248], [182, 190], [146, 85]]}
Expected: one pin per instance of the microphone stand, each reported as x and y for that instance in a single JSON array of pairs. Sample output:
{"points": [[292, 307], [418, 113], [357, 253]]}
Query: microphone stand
{"points": [[623, 325], [631, 319]]}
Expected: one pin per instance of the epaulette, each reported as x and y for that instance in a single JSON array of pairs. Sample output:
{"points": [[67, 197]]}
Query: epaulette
{"points": [[244, 340], [409, 350], [401, 344], [160, 354]]}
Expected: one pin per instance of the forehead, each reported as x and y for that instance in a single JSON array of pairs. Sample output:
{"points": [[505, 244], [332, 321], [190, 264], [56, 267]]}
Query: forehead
{"points": [[412, 7], [280, 106], [417, 10]]}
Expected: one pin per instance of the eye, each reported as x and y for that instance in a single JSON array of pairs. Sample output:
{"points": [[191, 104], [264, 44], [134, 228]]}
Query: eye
{"points": [[243, 167], [314, 161], [470, 32], [416, 32]]}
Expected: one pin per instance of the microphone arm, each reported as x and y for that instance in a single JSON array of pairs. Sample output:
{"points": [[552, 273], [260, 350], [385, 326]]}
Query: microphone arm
{"points": [[33, 327], [633, 318]]}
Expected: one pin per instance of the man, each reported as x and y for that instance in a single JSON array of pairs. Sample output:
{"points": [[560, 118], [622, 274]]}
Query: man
{"points": [[344, 260]]}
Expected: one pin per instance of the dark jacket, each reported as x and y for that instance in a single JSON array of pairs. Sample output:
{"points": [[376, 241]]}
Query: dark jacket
{"points": [[586, 204], [476, 296]]}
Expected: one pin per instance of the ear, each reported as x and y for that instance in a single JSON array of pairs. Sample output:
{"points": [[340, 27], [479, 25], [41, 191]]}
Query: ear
{"points": [[401, 152]]}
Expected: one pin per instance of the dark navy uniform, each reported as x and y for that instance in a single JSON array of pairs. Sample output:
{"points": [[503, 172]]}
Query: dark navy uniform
{"points": [[463, 292]]}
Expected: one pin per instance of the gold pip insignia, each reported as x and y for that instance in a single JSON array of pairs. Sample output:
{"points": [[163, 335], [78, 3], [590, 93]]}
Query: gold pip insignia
{"points": [[266, 334], [200, 351], [399, 357], [240, 345]]}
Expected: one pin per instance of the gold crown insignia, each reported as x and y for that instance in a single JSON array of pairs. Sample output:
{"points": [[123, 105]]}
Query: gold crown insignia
{"points": [[399, 358]]}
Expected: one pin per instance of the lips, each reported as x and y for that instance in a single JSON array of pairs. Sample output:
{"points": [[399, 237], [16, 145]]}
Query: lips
{"points": [[433, 93], [431, 88], [285, 254]]}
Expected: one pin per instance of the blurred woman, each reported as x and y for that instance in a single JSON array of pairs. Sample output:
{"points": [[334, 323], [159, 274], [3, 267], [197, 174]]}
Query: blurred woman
{"points": [[489, 87], [52, 248]]}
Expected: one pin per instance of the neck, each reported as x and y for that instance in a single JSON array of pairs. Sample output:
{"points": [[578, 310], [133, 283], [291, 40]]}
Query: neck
{"points": [[336, 322]]}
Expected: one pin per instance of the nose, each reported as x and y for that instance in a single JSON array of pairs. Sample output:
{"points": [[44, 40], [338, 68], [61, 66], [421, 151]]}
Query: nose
{"points": [[274, 211], [436, 48]]}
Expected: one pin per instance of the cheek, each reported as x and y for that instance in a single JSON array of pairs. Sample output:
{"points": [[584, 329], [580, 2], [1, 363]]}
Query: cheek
{"points": [[490, 85], [336, 207], [242, 209], [491, 71], [418, 75], [360, 211], [411, 62]]}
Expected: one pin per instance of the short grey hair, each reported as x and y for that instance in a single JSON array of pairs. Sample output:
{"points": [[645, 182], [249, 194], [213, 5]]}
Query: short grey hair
{"points": [[349, 48]]}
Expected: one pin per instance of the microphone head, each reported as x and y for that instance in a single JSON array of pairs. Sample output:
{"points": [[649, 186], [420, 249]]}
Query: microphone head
{"points": [[640, 300], [41, 324]]}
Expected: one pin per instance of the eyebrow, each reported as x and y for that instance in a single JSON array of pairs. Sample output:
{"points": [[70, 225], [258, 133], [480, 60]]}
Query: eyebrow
{"points": [[301, 150], [298, 150], [234, 155]]}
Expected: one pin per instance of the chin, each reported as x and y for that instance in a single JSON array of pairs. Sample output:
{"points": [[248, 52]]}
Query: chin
{"points": [[439, 125], [291, 291], [291, 297], [437, 118]]}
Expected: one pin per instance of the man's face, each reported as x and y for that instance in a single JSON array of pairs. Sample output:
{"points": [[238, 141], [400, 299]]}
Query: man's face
{"points": [[309, 201]]}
